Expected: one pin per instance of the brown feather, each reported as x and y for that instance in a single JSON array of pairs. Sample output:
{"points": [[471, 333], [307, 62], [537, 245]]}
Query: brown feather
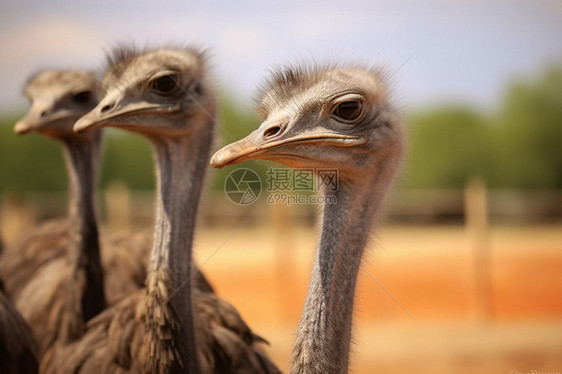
{"points": [[18, 353], [224, 335], [118, 340], [37, 272]]}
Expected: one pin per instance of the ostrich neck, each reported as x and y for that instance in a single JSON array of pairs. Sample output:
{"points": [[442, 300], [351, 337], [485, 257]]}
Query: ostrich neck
{"points": [[324, 336], [85, 294], [181, 164]]}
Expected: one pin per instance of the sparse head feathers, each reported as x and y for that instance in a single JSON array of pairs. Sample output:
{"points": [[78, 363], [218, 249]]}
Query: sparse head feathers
{"points": [[124, 63], [290, 84], [59, 82], [58, 98], [154, 92]]}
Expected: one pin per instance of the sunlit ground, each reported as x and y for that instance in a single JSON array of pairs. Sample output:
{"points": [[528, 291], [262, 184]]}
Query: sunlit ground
{"points": [[430, 272], [418, 307]]}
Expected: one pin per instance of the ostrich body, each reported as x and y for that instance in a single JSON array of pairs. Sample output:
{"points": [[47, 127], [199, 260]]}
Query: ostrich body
{"points": [[168, 327], [18, 352], [54, 275], [337, 118]]}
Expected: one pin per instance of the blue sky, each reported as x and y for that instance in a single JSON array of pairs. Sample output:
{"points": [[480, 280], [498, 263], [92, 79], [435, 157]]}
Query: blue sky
{"points": [[457, 50]]}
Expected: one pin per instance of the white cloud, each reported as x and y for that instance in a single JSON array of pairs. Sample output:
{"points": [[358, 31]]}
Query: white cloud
{"points": [[49, 39], [465, 48], [244, 41], [45, 43]]}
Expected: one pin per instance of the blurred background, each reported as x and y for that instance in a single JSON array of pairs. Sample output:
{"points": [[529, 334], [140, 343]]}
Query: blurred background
{"points": [[465, 274]]}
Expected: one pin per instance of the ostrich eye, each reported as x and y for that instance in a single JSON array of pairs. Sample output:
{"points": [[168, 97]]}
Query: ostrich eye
{"points": [[348, 110], [165, 85], [82, 97]]}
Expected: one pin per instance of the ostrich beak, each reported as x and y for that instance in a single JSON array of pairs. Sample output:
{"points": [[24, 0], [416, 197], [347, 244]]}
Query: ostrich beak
{"points": [[118, 110], [24, 126], [39, 117], [36, 117], [235, 152], [263, 143], [89, 122], [109, 108]]}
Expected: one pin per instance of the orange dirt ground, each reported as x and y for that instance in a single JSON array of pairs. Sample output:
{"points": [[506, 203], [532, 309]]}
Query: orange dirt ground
{"points": [[437, 322], [417, 306]]}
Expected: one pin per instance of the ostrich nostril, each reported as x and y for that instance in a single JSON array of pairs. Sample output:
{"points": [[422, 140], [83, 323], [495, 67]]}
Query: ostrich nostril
{"points": [[272, 131], [107, 107], [43, 113]]}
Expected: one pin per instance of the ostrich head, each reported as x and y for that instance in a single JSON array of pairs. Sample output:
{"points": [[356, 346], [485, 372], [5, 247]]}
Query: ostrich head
{"points": [[318, 117], [58, 99], [160, 92]]}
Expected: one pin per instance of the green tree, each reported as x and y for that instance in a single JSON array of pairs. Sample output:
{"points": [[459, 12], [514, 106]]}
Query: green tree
{"points": [[29, 163], [520, 146], [529, 134], [447, 147], [127, 157], [234, 123]]}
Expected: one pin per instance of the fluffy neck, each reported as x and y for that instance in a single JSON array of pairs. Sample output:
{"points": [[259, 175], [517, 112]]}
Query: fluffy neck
{"points": [[181, 164], [85, 293], [324, 336]]}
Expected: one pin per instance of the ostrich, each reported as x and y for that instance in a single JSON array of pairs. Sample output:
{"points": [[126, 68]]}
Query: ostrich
{"points": [[65, 293], [168, 327], [54, 275], [59, 98], [337, 118]]}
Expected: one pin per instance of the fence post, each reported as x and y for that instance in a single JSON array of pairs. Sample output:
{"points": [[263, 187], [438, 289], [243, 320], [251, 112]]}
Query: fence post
{"points": [[118, 206], [16, 217], [477, 225]]}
